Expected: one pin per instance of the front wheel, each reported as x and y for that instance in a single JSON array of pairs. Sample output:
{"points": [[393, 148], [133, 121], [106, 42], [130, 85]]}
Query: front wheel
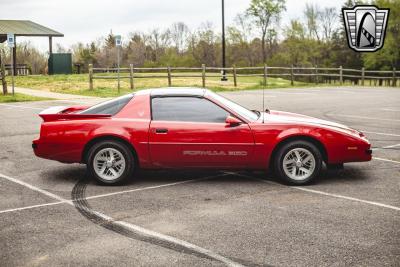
{"points": [[110, 162], [298, 162]]}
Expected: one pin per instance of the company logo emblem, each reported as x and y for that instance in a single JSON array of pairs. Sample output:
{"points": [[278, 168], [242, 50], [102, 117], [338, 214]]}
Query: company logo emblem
{"points": [[365, 27]]}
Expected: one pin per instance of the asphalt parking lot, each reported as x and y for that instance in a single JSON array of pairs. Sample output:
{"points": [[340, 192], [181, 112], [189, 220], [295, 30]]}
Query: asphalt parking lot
{"points": [[50, 215]]}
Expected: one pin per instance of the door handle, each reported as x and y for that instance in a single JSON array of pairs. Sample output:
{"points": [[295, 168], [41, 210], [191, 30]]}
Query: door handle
{"points": [[161, 131]]}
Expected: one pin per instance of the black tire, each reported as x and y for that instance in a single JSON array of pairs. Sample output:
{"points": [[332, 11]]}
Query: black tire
{"points": [[129, 157], [285, 149]]}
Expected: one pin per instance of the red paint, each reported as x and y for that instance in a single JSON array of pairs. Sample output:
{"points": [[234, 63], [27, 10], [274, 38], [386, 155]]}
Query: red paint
{"points": [[230, 145]]}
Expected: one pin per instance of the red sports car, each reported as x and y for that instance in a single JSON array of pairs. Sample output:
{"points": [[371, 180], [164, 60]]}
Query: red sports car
{"points": [[193, 128]]}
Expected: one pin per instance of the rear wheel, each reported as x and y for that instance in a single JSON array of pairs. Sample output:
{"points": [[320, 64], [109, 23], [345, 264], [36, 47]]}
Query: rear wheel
{"points": [[111, 162], [298, 162]]}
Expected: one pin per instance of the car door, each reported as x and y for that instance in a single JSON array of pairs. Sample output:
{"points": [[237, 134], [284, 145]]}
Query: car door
{"points": [[192, 132]]}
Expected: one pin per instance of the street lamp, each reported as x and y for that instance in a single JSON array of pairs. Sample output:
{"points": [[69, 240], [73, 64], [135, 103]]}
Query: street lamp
{"points": [[223, 43]]}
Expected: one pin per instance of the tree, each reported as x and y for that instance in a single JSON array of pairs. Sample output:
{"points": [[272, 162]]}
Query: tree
{"points": [[293, 50], [328, 18], [265, 13], [86, 54], [2, 73], [342, 55], [136, 50], [110, 40], [239, 41], [206, 49], [312, 14], [389, 56], [179, 35]]}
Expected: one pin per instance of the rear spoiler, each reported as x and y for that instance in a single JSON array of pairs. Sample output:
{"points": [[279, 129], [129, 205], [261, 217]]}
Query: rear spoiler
{"points": [[68, 113]]}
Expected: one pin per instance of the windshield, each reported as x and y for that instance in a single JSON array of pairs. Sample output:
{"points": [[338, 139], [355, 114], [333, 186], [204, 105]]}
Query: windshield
{"points": [[110, 107], [244, 112]]}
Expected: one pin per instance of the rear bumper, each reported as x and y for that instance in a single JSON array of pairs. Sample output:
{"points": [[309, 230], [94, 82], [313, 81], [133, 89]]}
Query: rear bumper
{"points": [[63, 152], [35, 147]]}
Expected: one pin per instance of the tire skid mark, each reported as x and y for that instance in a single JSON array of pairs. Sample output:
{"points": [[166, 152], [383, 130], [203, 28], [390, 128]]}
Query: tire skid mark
{"points": [[80, 202]]}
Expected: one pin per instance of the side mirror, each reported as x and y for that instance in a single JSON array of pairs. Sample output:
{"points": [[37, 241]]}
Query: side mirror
{"points": [[232, 121]]}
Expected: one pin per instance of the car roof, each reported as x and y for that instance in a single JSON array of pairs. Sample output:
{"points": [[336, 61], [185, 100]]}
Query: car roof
{"points": [[177, 91]]}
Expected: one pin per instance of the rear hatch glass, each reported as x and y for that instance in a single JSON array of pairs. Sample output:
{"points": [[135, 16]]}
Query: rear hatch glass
{"points": [[111, 107]]}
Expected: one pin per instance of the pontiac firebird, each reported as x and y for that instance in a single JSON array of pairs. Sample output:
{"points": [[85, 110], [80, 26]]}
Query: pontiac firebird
{"points": [[193, 128]]}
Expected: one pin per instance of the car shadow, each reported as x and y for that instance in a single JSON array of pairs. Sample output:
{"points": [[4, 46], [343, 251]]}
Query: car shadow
{"points": [[350, 174], [75, 173]]}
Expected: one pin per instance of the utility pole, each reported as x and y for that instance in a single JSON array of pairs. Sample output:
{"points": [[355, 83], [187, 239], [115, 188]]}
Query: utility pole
{"points": [[223, 44]]}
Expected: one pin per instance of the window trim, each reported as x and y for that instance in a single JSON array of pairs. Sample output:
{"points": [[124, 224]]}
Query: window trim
{"points": [[235, 114], [189, 96]]}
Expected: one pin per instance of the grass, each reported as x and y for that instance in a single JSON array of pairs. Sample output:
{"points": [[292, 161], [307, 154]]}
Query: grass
{"points": [[9, 98], [79, 84]]}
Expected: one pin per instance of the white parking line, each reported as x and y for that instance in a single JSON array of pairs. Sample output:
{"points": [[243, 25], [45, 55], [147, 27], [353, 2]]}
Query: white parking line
{"points": [[152, 187], [37, 189], [97, 196], [133, 227], [386, 147], [63, 201], [33, 207], [171, 239], [360, 117], [387, 160], [388, 134], [325, 193], [348, 198], [390, 109]]}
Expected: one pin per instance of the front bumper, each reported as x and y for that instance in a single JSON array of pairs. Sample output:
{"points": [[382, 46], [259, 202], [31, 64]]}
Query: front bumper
{"points": [[358, 153]]}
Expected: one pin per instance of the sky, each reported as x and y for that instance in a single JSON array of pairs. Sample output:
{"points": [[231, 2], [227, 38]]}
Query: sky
{"points": [[88, 20]]}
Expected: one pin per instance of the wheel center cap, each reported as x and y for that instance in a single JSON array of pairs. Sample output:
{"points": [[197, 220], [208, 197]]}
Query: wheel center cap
{"points": [[109, 164], [299, 164]]}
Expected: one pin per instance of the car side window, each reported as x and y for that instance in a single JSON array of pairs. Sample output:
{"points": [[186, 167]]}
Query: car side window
{"points": [[187, 109], [111, 107]]}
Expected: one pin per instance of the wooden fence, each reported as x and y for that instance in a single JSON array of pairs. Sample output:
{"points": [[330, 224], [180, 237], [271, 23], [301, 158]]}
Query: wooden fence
{"points": [[315, 75]]}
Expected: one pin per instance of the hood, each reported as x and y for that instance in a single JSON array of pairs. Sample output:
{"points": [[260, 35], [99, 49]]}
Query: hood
{"points": [[287, 117]]}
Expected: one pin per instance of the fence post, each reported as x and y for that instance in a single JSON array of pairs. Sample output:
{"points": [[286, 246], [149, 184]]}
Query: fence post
{"points": [[3, 73], [362, 76], [91, 76], [341, 75], [203, 74], [316, 74], [234, 76], [265, 75], [169, 77], [131, 76], [291, 76], [394, 81]]}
